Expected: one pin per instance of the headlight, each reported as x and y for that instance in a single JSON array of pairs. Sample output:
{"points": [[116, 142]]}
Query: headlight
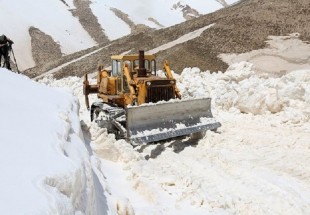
{"points": [[171, 82], [148, 83]]}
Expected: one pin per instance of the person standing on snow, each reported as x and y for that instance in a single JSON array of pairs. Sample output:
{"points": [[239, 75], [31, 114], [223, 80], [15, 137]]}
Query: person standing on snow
{"points": [[5, 47]]}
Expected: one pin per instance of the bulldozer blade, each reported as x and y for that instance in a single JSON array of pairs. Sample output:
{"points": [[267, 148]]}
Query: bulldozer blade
{"points": [[162, 121]]}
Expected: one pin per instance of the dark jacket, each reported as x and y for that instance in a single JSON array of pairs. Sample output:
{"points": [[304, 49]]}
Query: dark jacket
{"points": [[5, 46], [4, 40]]}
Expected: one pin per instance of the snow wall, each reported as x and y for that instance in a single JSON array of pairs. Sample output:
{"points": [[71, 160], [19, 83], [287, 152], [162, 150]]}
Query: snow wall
{"points": [[44, 164]]}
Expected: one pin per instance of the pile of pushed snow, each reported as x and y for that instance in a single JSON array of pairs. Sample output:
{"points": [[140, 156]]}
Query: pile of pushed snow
{"points": [[252, 166], [233, 171], [75, 85], [44, 164], [112, 150], [239, 87]]}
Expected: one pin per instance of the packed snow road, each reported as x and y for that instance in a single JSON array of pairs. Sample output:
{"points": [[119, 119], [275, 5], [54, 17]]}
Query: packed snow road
{"points": [[256, 163]]}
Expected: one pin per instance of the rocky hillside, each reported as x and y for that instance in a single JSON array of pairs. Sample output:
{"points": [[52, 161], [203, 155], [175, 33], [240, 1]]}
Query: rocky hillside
{"points": [[46, 30], [240, 28]]}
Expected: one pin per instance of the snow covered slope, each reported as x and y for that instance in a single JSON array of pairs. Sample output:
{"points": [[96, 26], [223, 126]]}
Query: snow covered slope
{"points": [[50, 16], [154, 14], [55, 19], [44, 164]]}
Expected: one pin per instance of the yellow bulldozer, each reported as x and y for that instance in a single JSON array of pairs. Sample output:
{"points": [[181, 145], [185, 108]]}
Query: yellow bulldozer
{"points": [[137, 104]]}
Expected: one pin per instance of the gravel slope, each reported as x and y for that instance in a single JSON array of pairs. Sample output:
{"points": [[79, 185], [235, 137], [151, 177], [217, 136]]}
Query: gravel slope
{"points": [[240, 28]]}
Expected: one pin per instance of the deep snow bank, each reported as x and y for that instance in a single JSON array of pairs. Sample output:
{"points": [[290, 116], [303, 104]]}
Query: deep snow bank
{"points": [[255, 164], [44, 164], [240, 87]]}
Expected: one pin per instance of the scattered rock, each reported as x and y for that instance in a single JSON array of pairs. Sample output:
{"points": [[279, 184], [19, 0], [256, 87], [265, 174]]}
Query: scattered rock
{"points": [[44, 48]]}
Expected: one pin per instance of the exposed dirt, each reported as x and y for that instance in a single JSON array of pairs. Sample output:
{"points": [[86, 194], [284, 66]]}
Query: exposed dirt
{"points": [[240, 28], [44, 48], [47, 53], [223, 2], [41, 68], [89, 21], [156, 22], [89, 64], [63, 1], [188, 12], [123, 16]]}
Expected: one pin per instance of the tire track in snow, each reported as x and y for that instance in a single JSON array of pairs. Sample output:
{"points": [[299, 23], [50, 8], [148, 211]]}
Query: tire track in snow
{"points": [[236, 170], [255, 165]]}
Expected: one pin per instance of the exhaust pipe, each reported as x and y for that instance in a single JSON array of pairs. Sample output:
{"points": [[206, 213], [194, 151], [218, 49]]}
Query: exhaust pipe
{"points": [[141, 70]]}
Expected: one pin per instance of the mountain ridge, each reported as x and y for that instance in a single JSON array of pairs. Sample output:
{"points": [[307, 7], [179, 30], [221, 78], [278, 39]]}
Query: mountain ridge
{"points": [[240, 28], [76, 25]]}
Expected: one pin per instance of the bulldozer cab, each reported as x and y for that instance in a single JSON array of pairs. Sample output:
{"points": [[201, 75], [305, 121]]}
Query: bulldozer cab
{"points": [[132, 62], [150, 66]]}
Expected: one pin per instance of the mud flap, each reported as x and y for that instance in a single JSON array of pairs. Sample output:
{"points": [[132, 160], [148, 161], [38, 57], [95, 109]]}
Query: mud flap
{"points": [[156, 122]]}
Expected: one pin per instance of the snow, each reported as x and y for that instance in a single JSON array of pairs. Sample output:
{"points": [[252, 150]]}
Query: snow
{"points": [[180, 40], [256, 163], [67, 31], [284, 54], [56, 69], [45, 166], [139, 13], [54, 18], [108, 21], [204, 7], [239, 87]]}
